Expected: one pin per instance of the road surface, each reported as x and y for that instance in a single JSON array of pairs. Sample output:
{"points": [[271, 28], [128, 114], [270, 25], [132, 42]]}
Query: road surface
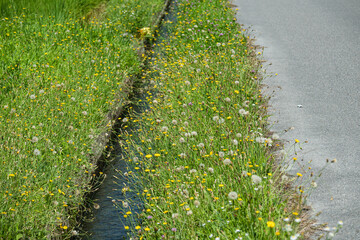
{"points": [[314, 47]]}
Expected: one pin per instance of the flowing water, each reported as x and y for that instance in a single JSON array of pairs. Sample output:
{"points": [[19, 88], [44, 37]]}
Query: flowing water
{"points": [[108, 221]]}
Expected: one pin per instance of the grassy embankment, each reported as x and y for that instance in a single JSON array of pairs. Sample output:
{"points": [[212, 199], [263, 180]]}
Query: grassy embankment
{"points": [[203, 149], [63, 67]]}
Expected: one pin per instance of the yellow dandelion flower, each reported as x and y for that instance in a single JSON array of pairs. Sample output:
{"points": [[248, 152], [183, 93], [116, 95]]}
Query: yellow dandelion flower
{"points": [[270, 224], [148, 156], [137, 227]]}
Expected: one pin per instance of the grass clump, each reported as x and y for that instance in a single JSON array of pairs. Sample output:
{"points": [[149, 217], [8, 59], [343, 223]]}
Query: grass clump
{"points": [[201, 152], [59, 78]]}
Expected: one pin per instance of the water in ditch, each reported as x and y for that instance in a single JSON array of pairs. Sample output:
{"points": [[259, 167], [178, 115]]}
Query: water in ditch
{"points": [[107, 220]]}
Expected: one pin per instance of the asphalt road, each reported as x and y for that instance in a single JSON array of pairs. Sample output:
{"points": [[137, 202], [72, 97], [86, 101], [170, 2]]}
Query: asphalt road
{"points": [[314, 46]]}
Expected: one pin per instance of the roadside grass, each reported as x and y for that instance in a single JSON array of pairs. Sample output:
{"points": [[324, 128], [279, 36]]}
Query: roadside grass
{"points": [[60, 75], [202, 150]]}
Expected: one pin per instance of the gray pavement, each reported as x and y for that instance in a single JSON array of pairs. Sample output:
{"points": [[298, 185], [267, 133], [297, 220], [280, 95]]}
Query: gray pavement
{"points": [[314, 46]]}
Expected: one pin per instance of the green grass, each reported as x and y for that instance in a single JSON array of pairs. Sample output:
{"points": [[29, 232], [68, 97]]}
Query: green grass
{"points": [[202, 150], [62, 68]]}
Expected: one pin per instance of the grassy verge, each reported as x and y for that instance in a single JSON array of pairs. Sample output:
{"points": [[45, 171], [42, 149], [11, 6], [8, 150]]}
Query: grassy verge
{"points": [[202, 151], [62, 69]]}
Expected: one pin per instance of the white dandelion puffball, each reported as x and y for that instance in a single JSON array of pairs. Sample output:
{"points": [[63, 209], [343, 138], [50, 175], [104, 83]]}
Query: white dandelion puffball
{"points": [[227, 161], [32, 97], [181, 140], [164, 129], [232, 195], [256, 179], [243, 112], [221, 154], [37, 152], [211, 170]]}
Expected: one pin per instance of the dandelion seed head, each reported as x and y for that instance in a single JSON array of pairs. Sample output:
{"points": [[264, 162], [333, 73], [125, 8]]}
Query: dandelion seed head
{"points": [[232, 195], [193, 171], [164, 129], [182, 140], [201, 145], [194, 133], [211, 170], [288, 228], [174, 122], [37, 152], [124, 120], [41, 91], [227, 161], [221, 154], [256, 179], [227, 99], [235, 142], [237, 82], [32, 97], [84, 113], [35, 139], [175, 215], [197, 203], [243, 112], [189, 212]]}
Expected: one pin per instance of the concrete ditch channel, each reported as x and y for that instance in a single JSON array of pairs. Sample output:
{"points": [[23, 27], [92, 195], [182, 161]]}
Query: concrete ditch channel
{"points": [[105, 221]]}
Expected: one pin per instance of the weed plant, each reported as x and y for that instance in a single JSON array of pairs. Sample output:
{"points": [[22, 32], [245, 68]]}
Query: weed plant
{"points": [[63, 66], [202, 155]]}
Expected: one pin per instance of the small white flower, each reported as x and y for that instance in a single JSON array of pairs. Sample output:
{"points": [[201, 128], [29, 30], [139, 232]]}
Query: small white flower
{"points": [[41, 91], [218, 44], [331, 235], [32, 97], [297, 220], [286, 219], [73, 99], [232, 195], [125, 120], [84, 113], [235, 142], [175, 215], [182, 155], [340, 223], [237, 230], [237, 82], [125, 204]]}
